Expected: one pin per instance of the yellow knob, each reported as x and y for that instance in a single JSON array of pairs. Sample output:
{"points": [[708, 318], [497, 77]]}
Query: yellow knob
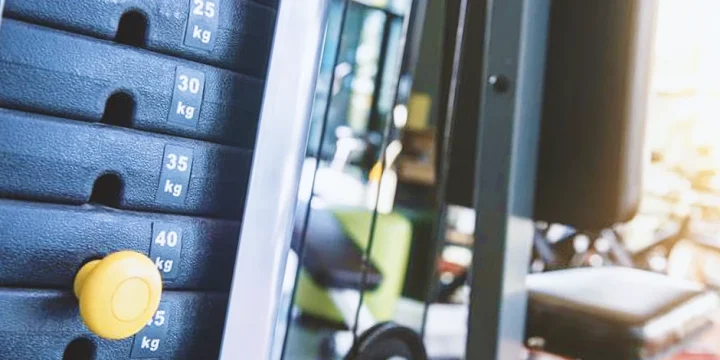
{"points": [[119, 294]]}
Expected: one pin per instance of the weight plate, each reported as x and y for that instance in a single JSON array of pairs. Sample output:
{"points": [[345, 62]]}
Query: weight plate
{"points": [[40, 324], [56, 73], [388, 340], [230, 34], [191, 253], [56, 160]]}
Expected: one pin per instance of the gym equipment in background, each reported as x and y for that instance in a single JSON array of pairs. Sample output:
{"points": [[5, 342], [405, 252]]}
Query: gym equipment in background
{"points": [[592, 152], [335, 240], [643, 315]]}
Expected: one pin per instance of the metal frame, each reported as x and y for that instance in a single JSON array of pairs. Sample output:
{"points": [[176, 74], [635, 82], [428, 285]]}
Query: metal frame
{"points": [[272, 192], [509, 118]]}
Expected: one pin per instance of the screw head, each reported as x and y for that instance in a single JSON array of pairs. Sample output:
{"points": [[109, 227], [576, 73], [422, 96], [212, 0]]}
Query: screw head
{"points": [[499, 83]]}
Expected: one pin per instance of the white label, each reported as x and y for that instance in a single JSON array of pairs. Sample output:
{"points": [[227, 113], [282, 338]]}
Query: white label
{"points": [[165, 266], [149, 341], [168, 238], [184, 110], [189, 83], [172, 188], [149, 344], [158, 319], [175, 161], [165, 248], [204, 8], [174, 174], [202, 24], [187, 97], [201, 34]]}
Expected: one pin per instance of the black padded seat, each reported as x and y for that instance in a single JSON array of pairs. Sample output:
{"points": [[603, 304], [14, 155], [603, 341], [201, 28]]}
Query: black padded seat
{"points": [[616, 313]]}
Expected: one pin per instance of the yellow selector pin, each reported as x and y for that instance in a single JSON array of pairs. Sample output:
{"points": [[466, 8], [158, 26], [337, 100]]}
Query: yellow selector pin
{"points": [[119, 294]]}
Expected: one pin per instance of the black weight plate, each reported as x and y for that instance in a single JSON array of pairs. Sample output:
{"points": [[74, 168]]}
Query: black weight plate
{"points": [[388, 340], [56, 73], [231, 34], [40, 324], [43, 245], [57, 160]]}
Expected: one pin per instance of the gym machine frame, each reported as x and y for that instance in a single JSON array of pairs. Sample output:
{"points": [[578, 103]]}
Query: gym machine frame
{"points": [[513, 41], [508, 38], [272, 192]]}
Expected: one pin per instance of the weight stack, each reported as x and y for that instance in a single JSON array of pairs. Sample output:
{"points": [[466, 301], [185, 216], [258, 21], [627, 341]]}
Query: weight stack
{"points": [[125, 125]]}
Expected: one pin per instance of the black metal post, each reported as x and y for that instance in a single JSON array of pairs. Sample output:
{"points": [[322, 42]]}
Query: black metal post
{"points": [[505, 165]]}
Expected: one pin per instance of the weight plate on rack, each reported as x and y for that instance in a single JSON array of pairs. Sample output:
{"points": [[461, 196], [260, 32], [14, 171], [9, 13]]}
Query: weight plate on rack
{"points": [[230, 34]]}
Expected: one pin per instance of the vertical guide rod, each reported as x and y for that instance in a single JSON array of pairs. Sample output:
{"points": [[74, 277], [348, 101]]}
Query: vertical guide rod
{"points": [[507, 140], [255, 293], [403, 66]]}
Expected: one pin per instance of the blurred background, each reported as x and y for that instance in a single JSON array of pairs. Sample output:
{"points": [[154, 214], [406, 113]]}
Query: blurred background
{"points": [[371, 165]]}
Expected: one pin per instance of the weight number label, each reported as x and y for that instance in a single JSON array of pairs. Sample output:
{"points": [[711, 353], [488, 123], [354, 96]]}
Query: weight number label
{"points": [[158, 319], [174, 175], [149, 341], [188, 83], [169, 238], [204, 8], [176, 161], [165, 248], [187, 97], [202, 24]]}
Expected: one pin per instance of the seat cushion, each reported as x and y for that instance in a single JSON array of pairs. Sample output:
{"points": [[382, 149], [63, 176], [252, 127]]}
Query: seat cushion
{"points": [[614, 312], [393, 235]]}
